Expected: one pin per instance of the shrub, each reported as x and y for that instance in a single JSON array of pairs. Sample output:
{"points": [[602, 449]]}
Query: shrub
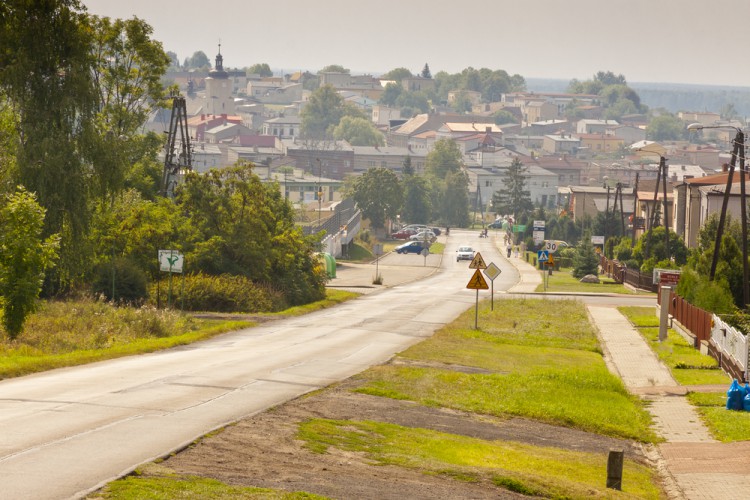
{"points": [[130, 283], [224, 293]]}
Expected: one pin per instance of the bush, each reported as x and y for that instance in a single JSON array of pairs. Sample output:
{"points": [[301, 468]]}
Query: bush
{"points": [[130, 283], [224, 293]]}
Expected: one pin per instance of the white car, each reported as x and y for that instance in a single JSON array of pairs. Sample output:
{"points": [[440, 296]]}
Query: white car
{"points": [[423, 235], [464, 253]]}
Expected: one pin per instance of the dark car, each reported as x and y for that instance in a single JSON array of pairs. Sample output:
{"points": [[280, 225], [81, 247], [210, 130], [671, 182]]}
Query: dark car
{"points": [[436, 230], [403, 234], [411, 247], [498, 224]]}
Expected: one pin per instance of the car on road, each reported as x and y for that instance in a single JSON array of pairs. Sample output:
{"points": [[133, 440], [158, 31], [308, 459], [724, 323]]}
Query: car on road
{"points": [[403, 234], [498, 224], [464, 253], [411, 247], [423, 235]]}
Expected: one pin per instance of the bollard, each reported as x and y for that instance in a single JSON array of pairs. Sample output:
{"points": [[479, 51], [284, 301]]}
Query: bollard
{"points": [[614, 469]]}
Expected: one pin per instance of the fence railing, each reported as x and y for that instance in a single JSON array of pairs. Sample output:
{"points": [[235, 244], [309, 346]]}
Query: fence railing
{"points": [[634, 277], [730, 343]]}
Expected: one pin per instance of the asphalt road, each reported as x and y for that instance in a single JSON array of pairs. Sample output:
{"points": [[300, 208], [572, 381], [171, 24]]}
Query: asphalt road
{"points": [[67, 432]]}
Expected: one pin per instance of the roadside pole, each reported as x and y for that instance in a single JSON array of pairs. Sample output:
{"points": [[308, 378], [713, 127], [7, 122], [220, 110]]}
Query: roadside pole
{"points": [[477, 282]]}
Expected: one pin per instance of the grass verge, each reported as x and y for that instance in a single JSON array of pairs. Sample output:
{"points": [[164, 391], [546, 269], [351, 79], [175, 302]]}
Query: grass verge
{"points": [[542, 361], [725, 425], [73, 333], [563, 281], [687, 364], [531, 470]]}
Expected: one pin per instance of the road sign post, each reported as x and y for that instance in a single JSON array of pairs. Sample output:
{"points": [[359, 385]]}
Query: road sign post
{"points": [[477, 282], [492, 272]]}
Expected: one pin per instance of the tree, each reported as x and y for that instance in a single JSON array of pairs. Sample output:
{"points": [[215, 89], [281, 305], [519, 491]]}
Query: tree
{"points": [[358, 132], [379, 195], [417, 203], [454, 209], [199, 60], [246, 227], [426, 71], [585, 260], [323, 112], [260, 69], [407, 169], [391, 93], [397, 74], [502, 117], [413, 100], [445, 157], [513, 198], [334, 68], [174, 61], [24, 256], [665, 128], [48, 81], [128, 68]]}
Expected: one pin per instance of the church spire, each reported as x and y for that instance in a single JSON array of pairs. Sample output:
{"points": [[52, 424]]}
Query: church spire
{"points": [[219, 60]]}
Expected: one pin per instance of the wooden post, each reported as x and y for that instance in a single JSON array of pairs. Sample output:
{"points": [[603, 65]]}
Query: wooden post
{"points": [[614, 469]]}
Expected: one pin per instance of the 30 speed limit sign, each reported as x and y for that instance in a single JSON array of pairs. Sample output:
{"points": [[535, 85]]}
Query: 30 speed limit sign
{"points": [[551, 247]]}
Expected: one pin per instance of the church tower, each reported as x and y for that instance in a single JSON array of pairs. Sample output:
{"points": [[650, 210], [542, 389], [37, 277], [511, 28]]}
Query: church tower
{"points": [[219, 100]]}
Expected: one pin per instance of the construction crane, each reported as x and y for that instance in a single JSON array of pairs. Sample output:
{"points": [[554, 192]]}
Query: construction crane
{"points": [[178, 158]]}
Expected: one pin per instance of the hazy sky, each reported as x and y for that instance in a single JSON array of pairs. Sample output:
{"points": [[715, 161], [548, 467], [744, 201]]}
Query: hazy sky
{"points": [[679, 41]]}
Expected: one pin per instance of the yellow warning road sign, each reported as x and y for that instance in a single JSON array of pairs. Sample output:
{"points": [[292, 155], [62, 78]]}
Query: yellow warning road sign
{"points": [[477, 262], [477, 282]]}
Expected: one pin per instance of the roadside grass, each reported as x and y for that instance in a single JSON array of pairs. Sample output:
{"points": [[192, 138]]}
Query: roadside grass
{"points": [[70, 333], [542, 361], [437, 248], [563, 281], [725, 425], [687, 364], [531, 470], [357, 253], [135, 487]]}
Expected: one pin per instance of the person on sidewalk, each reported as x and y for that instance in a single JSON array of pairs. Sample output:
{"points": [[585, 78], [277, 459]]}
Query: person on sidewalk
{"points": [[509, 249]]}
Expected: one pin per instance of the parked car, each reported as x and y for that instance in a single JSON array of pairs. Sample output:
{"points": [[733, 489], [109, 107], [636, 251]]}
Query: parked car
{"points": [[436, 230], [498, 224], [403, 234], [411, 247], [464, 253], [423, 235]]}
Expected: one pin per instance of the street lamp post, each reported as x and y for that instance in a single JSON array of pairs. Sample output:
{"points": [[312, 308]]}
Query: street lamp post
{"points": [[738, 151]]}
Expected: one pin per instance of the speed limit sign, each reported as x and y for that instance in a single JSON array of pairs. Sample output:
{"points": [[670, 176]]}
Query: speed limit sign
{"points": [[551, 247]]}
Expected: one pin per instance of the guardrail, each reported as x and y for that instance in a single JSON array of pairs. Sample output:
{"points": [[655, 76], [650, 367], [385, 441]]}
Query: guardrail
{"points": [[731, 349]]}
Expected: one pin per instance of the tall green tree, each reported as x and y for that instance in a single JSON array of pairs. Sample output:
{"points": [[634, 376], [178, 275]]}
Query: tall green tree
{"points": [[417, 202], [585, 260], [454, 208], [426, 71], [323, 112], [260, 69], [445, 157], [247, 228], [358, 132], [46, 74], [128, 70], [391, 93], [397, 74], [24, 256], [199, 60], [379, 194], [513, 198]]}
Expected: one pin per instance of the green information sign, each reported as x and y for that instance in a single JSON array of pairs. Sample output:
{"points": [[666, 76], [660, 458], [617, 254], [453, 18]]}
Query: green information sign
{"points": [[518, 228]]}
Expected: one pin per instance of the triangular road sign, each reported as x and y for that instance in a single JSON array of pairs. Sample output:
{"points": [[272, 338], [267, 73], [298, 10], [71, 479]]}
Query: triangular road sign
{"points": [[477, 262], [477, 282]]}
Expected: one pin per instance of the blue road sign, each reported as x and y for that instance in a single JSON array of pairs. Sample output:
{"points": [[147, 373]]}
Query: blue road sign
{"points": [[542, 256]]}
